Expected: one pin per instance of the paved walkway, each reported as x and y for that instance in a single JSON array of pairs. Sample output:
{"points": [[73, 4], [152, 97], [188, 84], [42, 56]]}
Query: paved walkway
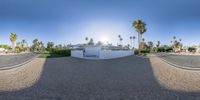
{"points": [[10, 60], [129, 78], [191, 61]]}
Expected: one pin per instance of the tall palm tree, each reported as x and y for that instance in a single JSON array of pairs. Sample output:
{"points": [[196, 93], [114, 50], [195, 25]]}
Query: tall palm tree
{"points": [[174, 37], [13, 38], [86, 38], [119, 36], [158, 44], [120, 39], [131, 38], [23, 43], [133, 41], [140, 28]]}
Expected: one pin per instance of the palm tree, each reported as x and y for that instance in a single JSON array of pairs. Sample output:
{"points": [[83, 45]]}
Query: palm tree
{"points": [[174, 37], [23, 43], [86, 38], [13, 38], [158, 44], [174, 43], [140, 28], [143, 44], [120, 39], [133, 40], [91, 42], [119, 36]]}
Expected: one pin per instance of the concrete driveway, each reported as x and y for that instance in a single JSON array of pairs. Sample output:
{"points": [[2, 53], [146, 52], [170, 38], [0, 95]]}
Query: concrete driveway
{"points": [[129, 78]]}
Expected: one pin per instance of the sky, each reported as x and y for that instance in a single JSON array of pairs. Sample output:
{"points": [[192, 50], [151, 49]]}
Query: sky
{"points": [[70, 21]]}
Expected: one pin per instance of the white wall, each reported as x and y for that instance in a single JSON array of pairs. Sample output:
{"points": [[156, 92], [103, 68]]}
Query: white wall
{"points": [[107, 54], [114, 54], [77, 53], [92, 51]]}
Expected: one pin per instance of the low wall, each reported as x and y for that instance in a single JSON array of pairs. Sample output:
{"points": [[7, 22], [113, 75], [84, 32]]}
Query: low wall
{"points": [[77, 53], [107, 54], [114, 54]]}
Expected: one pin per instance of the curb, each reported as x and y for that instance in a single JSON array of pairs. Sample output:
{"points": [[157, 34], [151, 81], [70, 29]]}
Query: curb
{"points": [[178, 66], [144, 57], [18, 65]]}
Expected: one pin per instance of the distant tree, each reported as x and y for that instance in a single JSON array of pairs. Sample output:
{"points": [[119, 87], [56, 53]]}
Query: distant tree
{"points": [[13, 38], [150, 44], [86, 38], [41, 46], [158, 44], [24, 45], [131, 40], [99, 43], [91, 42], [50, 45], [143, 44], [140, 28], [59, 47], [4, 46], [35, 45]]}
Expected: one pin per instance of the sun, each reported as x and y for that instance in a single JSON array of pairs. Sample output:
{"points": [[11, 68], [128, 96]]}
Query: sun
{"points": [[104, 39]]}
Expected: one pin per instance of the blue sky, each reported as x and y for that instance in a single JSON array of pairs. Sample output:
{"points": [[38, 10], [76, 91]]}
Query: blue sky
{"points": [[70, 21]]}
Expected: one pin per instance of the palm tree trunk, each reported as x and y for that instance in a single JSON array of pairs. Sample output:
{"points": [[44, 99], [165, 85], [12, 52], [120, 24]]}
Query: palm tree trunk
{"points": [[139, 41], [13, 46]]}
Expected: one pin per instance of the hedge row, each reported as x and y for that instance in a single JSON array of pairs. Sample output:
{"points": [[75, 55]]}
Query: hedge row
{"points": [[61, 52]]}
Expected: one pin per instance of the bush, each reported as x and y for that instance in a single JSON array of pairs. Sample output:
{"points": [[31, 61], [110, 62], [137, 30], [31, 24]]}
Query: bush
{"points": [[192, 49], [61, 52], [160, 49], [136, 51], [144, 51]]}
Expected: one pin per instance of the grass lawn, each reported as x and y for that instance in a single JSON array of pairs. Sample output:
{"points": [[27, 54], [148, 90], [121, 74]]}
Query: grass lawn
{"points": [[51, 55]]}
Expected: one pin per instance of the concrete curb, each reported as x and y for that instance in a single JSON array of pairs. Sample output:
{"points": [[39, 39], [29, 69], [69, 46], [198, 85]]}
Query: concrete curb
{"points": [[18, 65], [178, 66], [144, 57]]}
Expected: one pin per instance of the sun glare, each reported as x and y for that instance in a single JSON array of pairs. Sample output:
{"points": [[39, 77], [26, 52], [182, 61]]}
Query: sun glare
{"points": [[104, 39]]}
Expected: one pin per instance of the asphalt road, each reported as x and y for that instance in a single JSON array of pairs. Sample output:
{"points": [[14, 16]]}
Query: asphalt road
{"points": [[190, 61], [11, 60], [129, 78]]}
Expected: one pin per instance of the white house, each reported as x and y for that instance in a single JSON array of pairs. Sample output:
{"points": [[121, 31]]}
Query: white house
{"points": [[101, 52]]}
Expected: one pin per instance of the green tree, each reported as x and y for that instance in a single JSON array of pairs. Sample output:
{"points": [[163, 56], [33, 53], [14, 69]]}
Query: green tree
{"points": [[158, 44], [150, 44], [50, 46], [91, 42], [13, 38], [4, 46], [86, 39], [35, 46], [140, 28]]}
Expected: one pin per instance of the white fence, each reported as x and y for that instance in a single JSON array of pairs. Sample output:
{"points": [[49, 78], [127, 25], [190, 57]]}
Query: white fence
{"points": [[107, 54], [114, 54]]}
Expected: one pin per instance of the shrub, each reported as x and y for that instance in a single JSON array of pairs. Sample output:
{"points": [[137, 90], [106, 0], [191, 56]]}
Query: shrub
{"points": [[192, 49], [145, 51], [61, 52], [136, 51], [160, 49]]}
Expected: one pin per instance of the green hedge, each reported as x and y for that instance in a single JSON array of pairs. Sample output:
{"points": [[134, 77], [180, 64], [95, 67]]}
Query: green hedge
{"points": [[136, 51], [61, 52], [144, 51]]}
